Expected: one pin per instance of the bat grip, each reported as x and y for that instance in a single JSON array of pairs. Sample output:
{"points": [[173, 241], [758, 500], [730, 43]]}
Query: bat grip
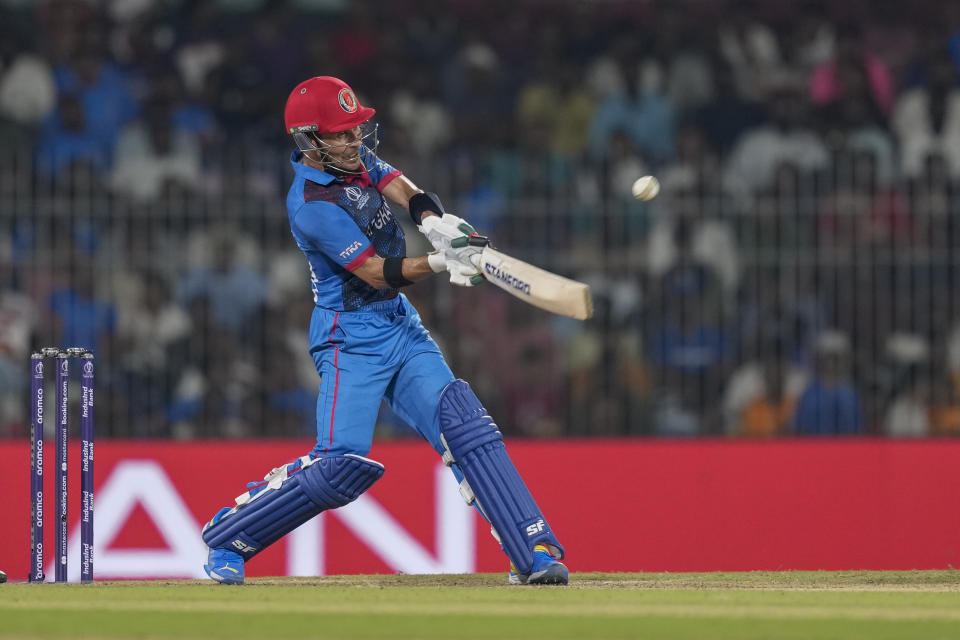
{"points": [[478, 241]]}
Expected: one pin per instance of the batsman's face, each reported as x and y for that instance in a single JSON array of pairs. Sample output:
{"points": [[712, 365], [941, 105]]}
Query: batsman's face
{"points": [[343, 148]]}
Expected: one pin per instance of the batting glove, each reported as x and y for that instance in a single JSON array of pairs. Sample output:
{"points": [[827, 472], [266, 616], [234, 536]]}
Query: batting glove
{"points": [[464, 275], [439, 233]]}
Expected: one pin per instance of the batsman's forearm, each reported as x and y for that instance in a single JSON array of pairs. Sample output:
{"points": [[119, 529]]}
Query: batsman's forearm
{"points": [[371, 271], [400, 190], [416, 268]]}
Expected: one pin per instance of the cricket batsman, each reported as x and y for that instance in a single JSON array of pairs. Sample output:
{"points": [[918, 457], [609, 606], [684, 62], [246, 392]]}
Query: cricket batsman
{"points": [[368, 344]]}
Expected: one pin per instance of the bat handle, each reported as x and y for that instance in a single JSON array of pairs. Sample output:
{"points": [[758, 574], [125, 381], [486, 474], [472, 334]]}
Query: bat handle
{"points": [[478, 241]]}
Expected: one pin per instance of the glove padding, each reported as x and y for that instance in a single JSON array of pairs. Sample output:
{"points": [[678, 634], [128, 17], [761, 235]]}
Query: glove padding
{"points": [[458, 243], [467, 250], [440, 231], [463, 275]]}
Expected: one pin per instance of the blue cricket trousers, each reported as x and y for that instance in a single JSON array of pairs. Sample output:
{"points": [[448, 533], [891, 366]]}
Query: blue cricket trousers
{"points": [[381, 351]]}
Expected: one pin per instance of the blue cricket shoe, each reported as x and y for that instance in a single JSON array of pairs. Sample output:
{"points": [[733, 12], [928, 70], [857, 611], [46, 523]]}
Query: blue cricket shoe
{"points": [[546, 569], [223, 565]]}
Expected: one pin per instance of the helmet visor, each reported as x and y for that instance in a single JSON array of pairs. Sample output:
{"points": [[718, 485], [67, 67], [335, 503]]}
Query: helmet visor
{"points": [[342, 150], [366, 134]]}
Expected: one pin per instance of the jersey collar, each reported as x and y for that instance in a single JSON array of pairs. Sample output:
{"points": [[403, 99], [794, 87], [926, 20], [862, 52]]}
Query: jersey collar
{"points": [[310, 173]]}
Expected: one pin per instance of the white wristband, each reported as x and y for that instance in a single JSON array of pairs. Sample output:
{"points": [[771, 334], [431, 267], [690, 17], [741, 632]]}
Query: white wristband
{"points": [[437, 261]]}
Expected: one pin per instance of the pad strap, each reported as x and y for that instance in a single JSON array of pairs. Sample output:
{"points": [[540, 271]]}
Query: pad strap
{"points": [[288, 497], [475, 443]]}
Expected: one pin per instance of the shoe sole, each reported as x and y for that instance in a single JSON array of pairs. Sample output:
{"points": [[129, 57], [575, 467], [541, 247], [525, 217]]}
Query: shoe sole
{"points": [[219, 578], [555, 574]]}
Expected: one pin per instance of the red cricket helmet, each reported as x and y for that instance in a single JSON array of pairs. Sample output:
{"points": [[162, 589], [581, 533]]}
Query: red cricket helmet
{"points": [[324, 104]]}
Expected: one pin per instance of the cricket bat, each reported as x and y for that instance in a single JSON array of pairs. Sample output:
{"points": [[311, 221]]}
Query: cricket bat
{"points": [[536, 286]]}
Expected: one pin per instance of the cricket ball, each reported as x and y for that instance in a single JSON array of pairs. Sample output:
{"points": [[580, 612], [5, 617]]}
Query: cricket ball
{"points": [[646, 188]]}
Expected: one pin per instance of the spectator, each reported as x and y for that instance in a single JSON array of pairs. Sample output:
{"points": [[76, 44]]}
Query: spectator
{"points": [[275, 26], [289, 379], [688, 342], [786, 140], [423, 119], [751, 50], [951, 21], [952, 355], [82, 317], [830, 404], [863, 209], [152, 334], [557, 101], [533, 395], [908, 412], [945, 406], [106, 99], [638, 107], [852, 71], [356, 41], [605, 368], [812, 39], [624, 162], [238, 102], [711, 241], [788, 304], [153, 156], [27, 91], [698, 168], [795, 219], [761, 397], [678, 55], [18, 317], [234, 291], [894, 34], [926, 121], [190, 111], [217, 393], [853, 124], [67, 141], [201, 49], [724, 118], [477, 92]]}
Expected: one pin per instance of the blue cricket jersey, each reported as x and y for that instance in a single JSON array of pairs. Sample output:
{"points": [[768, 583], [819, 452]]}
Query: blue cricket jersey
{"points": [[338, 222]]}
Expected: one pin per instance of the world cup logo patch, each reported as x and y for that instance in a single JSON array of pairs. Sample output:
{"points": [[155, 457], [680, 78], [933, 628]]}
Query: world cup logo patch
{"points": [[348, 101]]}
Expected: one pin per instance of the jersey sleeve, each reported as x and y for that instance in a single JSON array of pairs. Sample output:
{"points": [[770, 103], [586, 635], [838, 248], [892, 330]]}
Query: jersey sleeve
{"points": [[325, 227], [381, 173]]}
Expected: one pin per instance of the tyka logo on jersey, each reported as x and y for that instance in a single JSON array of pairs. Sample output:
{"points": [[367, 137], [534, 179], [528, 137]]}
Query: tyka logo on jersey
{"points": [[351, 249]]}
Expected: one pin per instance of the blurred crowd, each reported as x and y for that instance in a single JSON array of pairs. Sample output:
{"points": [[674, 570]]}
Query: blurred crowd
{"points": [[797, 275]]}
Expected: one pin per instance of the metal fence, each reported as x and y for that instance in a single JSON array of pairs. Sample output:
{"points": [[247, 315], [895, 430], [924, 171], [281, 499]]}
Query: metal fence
{"points": [[827, 303]]}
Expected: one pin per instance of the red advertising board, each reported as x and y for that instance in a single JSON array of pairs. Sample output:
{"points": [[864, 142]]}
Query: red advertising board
{"points": [[617, 505]]}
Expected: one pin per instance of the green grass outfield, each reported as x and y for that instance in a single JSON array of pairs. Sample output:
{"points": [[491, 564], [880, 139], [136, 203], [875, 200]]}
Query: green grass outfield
{"points": [[916, 605]]}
